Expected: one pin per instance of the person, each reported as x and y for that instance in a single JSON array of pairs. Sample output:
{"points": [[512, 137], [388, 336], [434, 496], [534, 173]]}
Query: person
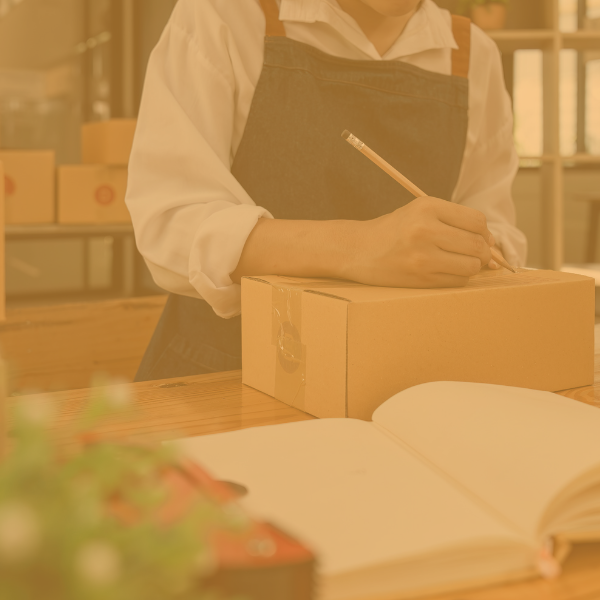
{"points": [[239, 169]]}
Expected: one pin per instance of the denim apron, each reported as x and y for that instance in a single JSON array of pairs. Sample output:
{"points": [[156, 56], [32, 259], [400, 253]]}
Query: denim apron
{"points": [[293, 162]]}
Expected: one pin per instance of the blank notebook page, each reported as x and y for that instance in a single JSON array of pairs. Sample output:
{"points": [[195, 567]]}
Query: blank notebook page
{"points": [[514, 448], [347, 490]]}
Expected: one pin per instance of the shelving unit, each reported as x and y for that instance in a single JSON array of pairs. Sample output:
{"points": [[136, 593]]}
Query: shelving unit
{"points": [[127, 265], [550, 40]]}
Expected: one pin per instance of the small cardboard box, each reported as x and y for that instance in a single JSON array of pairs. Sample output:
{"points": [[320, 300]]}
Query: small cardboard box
{"points": [[92, 194], [107, 142], [29, 182], [338, 349]]}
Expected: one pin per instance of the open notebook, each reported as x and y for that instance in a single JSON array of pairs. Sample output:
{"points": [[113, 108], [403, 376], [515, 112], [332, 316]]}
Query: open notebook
{"points": [[452, 485]]}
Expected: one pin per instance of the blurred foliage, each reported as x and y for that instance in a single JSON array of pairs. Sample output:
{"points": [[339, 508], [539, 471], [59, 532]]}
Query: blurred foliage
{"points": [[60, 536]]}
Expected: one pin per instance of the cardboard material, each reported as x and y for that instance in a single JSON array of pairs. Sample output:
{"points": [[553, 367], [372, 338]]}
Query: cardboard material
{"points": [[63, 346], [107, 142], [3, 371], [2, 264], [92, 194], [29, 182], [339, 349]]}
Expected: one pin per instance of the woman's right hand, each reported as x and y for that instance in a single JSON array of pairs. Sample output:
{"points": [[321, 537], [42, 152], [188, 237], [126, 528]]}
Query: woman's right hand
{"points": [[426, 244]]}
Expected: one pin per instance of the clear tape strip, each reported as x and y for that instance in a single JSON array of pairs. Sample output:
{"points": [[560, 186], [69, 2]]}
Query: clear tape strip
{"points": [[290, 355], [291, 351]]}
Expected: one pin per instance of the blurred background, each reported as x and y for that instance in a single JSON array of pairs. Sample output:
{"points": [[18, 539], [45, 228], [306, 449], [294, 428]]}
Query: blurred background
{"points": [[64, 63], [80, 299], [67, 62]]}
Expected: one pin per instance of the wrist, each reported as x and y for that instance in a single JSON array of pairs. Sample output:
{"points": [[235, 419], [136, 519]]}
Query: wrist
{"points": [[346, 255]]}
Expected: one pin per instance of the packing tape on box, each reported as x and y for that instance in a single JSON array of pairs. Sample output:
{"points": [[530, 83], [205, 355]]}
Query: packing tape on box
{"points": [[290, 365], [286, 336]]}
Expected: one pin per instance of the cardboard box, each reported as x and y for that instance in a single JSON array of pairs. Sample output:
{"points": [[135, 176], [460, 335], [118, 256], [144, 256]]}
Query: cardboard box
{"points": [[107, 142], [3, 372], [2, 263], [92, 194], [29, 182], [338, 349]]}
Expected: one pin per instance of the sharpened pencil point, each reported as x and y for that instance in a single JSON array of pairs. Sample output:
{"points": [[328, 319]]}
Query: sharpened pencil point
{"points": [[346, 134]]}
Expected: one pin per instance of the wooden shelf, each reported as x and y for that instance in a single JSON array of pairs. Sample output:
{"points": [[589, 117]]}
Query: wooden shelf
{"points": [[582, 159], [551, 41], [125, 263], [510, 40], [581, 40], [58, 230], [574, 159]]}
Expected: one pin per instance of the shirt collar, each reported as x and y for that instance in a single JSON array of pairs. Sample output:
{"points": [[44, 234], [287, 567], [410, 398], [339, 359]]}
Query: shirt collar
{"points": [[429, 29]]}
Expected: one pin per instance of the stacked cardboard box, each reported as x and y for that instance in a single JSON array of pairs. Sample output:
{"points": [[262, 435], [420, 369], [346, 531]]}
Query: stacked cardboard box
{"points": [[107, 142], [94, 192], [28, 186]]}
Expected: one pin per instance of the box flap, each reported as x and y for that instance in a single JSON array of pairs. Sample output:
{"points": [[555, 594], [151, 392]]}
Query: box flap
{"points": [[356, 292]]}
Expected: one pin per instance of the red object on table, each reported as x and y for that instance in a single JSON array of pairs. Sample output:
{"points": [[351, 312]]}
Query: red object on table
{"points": [[259, 563]]}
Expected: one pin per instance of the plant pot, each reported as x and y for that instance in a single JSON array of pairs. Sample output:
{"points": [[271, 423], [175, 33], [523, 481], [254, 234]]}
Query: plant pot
{"points": [[489, 16]]}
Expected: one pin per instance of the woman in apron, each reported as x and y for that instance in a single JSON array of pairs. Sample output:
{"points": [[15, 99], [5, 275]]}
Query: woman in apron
{"points": [[238, 166]]}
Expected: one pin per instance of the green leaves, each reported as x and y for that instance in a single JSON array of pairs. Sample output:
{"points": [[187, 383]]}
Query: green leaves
{"points": [[87, 524]]}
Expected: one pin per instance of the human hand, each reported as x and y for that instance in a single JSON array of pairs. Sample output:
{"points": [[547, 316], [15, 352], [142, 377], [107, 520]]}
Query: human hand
{"points": [[428, 243], [493, 264]]}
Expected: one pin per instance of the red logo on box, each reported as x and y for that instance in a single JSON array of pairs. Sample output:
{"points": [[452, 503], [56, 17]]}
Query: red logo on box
{"points": [[10, 187], [105, 194]]}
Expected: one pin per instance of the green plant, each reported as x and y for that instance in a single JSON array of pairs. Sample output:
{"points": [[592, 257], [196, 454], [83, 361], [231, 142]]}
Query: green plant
{"points": [[62, 531], [464, 6]]}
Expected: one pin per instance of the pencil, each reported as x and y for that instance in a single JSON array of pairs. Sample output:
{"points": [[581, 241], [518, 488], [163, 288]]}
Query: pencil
{"points": [[406, 183]]}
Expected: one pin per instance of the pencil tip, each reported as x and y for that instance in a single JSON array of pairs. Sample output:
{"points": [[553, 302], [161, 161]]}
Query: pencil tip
{"points": [[346, 134]]}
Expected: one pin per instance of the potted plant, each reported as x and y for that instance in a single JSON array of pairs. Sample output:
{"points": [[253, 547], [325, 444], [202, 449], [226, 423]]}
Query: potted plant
{"points": [[89, 522], [83, 519], [487, 14]]}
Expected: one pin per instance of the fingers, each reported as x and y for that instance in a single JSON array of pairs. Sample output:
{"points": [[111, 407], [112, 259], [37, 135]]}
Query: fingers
{"points": [[493, 264], [457, 265], [460, 241], [439, 262], [463, 217]]}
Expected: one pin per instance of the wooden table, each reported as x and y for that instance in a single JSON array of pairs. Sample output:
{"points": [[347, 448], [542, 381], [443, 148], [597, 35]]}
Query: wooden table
{"points": [[204, 404]]}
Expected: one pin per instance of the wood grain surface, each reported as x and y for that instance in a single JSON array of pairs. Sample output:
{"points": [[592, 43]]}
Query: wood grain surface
{"points": [[182, 407]]}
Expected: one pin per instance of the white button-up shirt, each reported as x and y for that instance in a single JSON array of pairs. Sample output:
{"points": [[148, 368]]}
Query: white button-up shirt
{"points": [[192, 217]]}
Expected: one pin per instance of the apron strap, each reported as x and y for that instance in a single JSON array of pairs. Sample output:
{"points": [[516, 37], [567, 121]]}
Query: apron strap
{"points": [[274, 25], [461, 58]]}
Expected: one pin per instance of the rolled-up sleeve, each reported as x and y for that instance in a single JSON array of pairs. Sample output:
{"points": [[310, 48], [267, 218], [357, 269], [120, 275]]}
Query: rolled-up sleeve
{"points": [[490, 161], [191, 216]]}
